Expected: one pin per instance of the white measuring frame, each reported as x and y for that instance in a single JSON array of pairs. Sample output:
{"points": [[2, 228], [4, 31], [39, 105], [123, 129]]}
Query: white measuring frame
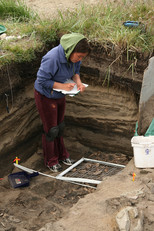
{"points": [[54, 177], [84, 180], [74, 180]]}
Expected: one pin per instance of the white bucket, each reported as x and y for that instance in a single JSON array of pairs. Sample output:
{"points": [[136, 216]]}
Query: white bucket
{"points": [[143, 148]]}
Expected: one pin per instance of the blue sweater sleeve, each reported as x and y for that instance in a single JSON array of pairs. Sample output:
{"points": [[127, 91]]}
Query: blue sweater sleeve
{"points": [[47, 71]]}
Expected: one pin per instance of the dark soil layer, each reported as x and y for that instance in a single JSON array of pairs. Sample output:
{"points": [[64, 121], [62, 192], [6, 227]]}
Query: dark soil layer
{"points": [[45, 199], [95, 121]]}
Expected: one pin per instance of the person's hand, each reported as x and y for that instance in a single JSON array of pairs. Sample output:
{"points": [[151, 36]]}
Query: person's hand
{"points": [[68, 86], [81, 87]]}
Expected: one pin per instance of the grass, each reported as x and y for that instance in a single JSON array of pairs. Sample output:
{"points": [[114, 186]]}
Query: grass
{"points": [[101, 23], [104, 23], [15, 9]]}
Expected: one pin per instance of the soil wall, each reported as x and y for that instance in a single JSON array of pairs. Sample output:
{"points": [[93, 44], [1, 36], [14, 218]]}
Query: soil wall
{"points": [[102, 118]]}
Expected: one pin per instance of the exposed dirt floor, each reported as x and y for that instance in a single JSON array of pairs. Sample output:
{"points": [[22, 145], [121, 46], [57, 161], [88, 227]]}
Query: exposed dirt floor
{"points": [[45, 199]]}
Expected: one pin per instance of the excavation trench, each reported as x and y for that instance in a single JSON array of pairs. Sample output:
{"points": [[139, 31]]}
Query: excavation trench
{"points": [[101, 119], [99, 125]]}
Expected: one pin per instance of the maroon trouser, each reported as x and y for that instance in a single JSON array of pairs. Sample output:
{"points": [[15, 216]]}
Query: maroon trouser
{"points": [[52, 114]]}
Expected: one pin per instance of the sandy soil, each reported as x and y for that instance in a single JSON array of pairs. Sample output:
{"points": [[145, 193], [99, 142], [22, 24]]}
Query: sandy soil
{"points": [[45, 199], [49, 8]]}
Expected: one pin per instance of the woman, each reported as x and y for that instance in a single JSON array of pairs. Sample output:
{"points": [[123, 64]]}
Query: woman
{"points": [[57, 66]]}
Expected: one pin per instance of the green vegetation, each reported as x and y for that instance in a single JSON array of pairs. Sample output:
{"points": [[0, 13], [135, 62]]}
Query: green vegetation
{"points": [[16, 10], [104, 23], [101, 23]]}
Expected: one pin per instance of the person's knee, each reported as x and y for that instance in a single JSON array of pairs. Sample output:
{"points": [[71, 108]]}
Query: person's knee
{"points": [[52, 134], [61, 128]]}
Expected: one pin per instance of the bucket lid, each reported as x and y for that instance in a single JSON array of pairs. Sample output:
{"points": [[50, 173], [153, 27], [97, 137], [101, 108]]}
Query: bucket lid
{"points": [[2, 29], [142, 140]]}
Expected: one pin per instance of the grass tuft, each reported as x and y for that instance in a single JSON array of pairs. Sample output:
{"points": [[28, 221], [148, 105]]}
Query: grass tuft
{"points": [[101, 23], [16, 10]]}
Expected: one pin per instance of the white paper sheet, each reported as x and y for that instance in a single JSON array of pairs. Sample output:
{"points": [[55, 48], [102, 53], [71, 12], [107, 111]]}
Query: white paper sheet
{"points": [[73, 92]]}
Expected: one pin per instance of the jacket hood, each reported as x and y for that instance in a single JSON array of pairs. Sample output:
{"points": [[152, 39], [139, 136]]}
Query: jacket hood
{"points": [[69, 41]]}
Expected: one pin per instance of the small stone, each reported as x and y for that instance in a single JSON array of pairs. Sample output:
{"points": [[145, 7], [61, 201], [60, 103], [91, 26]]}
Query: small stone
{"points": [[151, 187], [123, 221], [135, 210], [139, 226], [98, 172], [13, 219], [150, 197], [3, 36], [10, 37]]}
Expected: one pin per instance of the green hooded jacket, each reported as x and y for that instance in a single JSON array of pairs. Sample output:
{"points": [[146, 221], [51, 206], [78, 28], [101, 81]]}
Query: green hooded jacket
{"points": [[69, 41]]}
